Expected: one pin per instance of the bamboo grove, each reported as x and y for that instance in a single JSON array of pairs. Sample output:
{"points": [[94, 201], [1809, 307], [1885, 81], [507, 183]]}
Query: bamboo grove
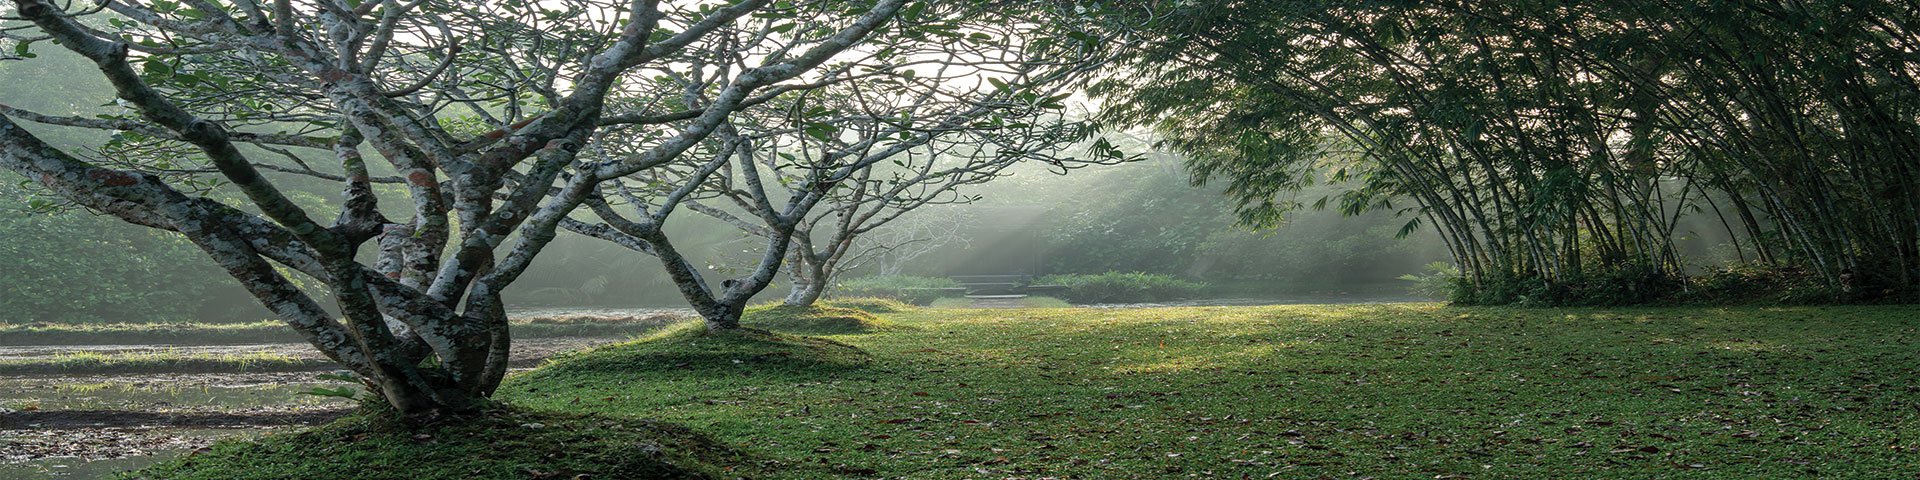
{"points": [[1564, 150]]}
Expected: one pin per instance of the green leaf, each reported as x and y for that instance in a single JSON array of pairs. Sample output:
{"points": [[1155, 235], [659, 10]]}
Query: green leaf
{"points": [[156, 68], [821, 131], [1001, 85]]}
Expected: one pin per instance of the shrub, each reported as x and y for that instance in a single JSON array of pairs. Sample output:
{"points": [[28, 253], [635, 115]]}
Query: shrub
{"points": [[1440, 280], [1626, 285], [1642, 285], [1754, 283], [905, 288], [1117, 287]]}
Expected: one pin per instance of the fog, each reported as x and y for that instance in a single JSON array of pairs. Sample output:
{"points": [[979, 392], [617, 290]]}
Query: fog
{"points": [[1147, 216]]}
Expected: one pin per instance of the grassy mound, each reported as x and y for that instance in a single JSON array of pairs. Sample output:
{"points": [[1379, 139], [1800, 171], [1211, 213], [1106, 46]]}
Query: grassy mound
{"points": [[691, 350], [688, 369], [815, 319], [506, 443]]}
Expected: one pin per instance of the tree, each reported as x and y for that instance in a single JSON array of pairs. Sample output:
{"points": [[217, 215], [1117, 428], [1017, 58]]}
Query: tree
{"points": [[236, 82], [951, 101], [1557, 148]]}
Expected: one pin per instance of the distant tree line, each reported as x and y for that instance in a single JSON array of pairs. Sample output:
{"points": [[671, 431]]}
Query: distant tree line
{"points": [[1556, 147]]}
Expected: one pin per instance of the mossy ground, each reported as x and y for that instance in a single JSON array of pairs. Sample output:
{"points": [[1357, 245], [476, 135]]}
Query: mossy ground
{"points": [[1386, 391], [501, 444]]}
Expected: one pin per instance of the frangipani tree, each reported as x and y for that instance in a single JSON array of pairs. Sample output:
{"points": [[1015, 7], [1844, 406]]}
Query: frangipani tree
{"points": [[954, 98], [249, 88]]}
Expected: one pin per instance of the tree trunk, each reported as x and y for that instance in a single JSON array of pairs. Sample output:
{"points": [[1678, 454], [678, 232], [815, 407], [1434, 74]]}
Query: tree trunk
{"points": [[722, 317], [809, 280], [805, 294]]}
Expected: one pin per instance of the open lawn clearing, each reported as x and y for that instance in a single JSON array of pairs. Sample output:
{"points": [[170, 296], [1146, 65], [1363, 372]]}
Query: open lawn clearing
{"points": [[1303, 391], [1393, 391]]}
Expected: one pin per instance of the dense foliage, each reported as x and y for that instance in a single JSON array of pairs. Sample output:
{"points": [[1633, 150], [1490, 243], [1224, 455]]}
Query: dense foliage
{"points": [[1557, 147]]}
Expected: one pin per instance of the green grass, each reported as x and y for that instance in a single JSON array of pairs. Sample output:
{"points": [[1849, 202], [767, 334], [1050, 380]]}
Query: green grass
{"points": [[1388, 391], [277, 332], [1038, 301], [81, 363]]}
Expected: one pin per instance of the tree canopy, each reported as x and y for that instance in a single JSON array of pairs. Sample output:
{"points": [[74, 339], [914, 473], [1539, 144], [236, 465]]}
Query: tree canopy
{"points": [[1557, 146], [498, 120]]}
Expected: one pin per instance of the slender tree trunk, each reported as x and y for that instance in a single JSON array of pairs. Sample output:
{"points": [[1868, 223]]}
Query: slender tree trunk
{"points": [[809, 280], [806, 294]]}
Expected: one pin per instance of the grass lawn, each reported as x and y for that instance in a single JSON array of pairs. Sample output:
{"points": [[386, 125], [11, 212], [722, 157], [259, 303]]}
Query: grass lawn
{"points": [[1387, 391]]}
